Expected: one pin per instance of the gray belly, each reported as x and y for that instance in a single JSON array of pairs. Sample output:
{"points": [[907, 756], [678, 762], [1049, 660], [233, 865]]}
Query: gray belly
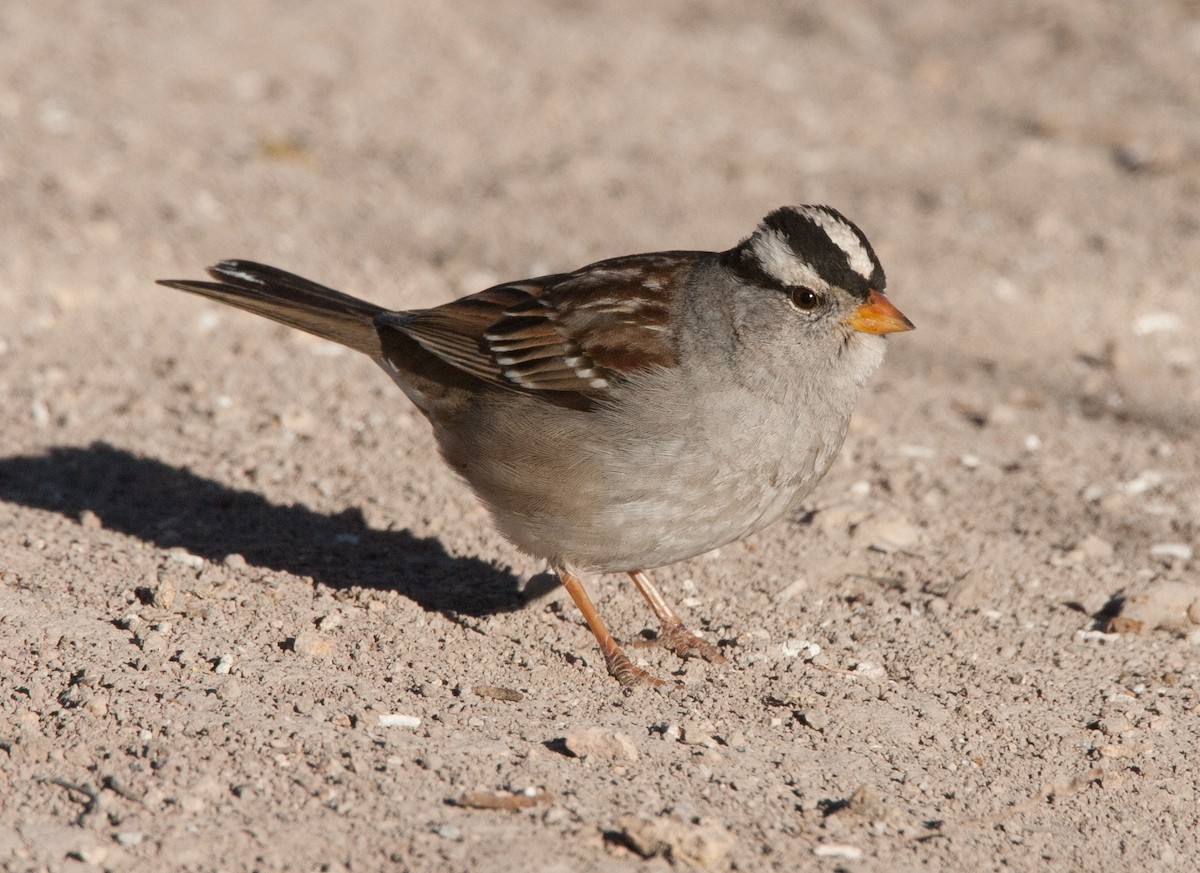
{"points": [[648, 492]]}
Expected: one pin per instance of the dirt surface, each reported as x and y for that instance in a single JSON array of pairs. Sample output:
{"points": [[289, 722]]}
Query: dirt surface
{"points": [[249, 621]]}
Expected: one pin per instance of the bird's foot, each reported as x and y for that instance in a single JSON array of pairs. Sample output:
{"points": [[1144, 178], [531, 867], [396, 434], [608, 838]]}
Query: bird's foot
{"points": [[686, 644], [626, 672]]}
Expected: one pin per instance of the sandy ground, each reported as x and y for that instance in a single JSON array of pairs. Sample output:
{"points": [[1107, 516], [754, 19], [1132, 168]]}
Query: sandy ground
{"points": [[247, 619]]}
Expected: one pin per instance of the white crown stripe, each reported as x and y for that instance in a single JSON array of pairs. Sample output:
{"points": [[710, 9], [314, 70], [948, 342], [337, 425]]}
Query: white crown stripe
{"points": [[844, 237]]}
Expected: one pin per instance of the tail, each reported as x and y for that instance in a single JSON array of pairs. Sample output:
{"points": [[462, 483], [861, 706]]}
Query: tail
{"points": [[291, 300]]}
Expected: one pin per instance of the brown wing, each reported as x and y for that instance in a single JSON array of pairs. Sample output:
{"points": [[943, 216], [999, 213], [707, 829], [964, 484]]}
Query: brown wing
{"points": [[574, 332]]}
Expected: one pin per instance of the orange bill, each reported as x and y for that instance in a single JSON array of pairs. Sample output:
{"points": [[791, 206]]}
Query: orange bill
{"points": [[878, 315]]}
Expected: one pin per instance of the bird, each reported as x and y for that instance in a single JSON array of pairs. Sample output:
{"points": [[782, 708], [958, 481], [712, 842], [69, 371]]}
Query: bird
{"points": [[637, 411]]}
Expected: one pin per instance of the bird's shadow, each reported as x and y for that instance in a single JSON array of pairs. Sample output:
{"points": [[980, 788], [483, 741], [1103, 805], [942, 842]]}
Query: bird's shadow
{"points": [[169, 506]]}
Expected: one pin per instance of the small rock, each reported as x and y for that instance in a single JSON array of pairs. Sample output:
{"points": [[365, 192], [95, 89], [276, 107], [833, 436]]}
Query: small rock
{"points": [[234, 561], [330, 621], [1147, 480], [396, 719], [675, 839], [1156, 322], [88, 520], [803, 649], [224, 665], [129, 838], [790, 590], [1088, 636], [832, 850], [230, 689], [151, 641], [601, 744], [94, 855], [889, 535], [839, 519], [698, 733], [163, 596], [1172, 606], [813, 718], [1114, 725], [131, 621], [183, 556], [1181, 552], [871, 670], [496, 693], [1091, 548], [310, 644]]}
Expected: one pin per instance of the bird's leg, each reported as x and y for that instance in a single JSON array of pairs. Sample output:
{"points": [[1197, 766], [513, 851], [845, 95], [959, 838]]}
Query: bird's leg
{"points": [[675, 634], [619, 665]]}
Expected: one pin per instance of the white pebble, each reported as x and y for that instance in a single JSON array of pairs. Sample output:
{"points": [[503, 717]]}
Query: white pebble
{"points": [[870, 670], [1033, 442], [851, 853], [971, 462], [1156, 322], [1096, 636], [1175, 551], [224, 665], [182, 556], [396, 719], [799, 649], [1143, 482]]}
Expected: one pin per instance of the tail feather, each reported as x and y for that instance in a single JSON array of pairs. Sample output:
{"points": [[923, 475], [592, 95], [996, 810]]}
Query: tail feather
{"points": [[291, 300]]}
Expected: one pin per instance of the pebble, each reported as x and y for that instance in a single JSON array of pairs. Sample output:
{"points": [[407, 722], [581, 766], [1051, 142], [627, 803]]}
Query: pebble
{"points": [[803, 649], [230, 689], [790, 590], [224, 665], [497, 693], [1156, 322], [1172, 606], [698, 733], [88, 520], [129, 838], [813, 718], [601, 744], [330, 621], [396, 719], [234, 561], [834, 850], [1091, 548], [680, 841], [163, 596], [183, 556], [94, 855], [1175, 551], [310, 644], [1145, 481], [151, 641], [870, 670], [889, 535]]}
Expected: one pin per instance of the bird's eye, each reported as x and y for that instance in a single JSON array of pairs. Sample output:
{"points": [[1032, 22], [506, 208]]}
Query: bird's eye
{"points": [[805, 298]]}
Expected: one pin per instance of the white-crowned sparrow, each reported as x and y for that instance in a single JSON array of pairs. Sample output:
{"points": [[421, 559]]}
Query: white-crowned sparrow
{"points": [[637, 411]]}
